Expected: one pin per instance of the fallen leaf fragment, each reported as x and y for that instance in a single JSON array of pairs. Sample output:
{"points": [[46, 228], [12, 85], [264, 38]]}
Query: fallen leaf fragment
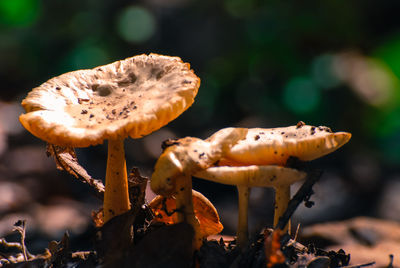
{"points": [[164, 211], [273, 253]]}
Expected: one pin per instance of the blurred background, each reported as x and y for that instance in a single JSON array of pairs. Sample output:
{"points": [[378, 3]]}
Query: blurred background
{"points": [[261, 63]]}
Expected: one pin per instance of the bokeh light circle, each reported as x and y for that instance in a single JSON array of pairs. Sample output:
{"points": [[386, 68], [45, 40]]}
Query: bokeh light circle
{"points": [[323, 71], [136, 24], [19, 12], [301, 95]]}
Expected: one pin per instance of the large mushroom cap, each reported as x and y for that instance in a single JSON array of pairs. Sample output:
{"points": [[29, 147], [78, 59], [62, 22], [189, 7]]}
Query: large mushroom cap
{"points": [[275, 145], [131, 97]]}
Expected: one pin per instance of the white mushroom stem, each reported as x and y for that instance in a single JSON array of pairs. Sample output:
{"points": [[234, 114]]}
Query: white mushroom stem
{"points": [[282, 198], [184, 206], [116, 196], [254, 176], [242, 231]]}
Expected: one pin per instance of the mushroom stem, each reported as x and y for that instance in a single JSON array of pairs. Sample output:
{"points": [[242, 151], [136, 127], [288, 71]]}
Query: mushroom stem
{"points": [[242, 231], [116, 196], [184, 206], [282, 198]]}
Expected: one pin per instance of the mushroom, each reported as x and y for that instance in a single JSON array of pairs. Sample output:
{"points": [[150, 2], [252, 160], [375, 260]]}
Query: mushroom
{"points": [[205, 213], [131, 97], [243, 147], [188, 155], [174, 168], [274, 146], [254, 176]]}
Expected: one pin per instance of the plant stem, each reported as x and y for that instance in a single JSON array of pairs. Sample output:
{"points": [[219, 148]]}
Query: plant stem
{"points": [[282, 198], [184, 206], [116, 197], [242, 231], [303, 194]]}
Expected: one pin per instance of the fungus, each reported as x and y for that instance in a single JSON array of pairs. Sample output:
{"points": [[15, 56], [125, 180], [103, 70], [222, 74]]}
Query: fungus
{"points": [[233, 150], [278, 177], [164, 209], [274, 146], [131, 97], [184, 157], [188, 155]]}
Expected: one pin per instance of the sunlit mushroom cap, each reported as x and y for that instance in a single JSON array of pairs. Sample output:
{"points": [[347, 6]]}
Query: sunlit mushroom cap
{"points": [[188, 155], [275, 145], [252, 176], [226, 138], [131, 97], [204, 211]]}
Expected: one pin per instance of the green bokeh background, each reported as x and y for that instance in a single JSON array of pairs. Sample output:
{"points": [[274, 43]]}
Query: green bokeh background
{"points": [[265, 59], [262, 63]]}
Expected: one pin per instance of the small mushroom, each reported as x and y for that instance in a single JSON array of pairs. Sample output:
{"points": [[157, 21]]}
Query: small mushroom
{"points": [[164, 209], [131, 97], [254, 176], [174, 168]]}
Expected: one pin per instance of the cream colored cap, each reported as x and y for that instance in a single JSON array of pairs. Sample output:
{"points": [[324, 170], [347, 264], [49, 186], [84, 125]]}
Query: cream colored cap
{"points": [[188, 155], [185, 157], [273, 146], [131, 97], [252, 176]]}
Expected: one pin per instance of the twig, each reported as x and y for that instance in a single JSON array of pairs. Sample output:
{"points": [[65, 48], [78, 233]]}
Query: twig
{"points": [[297, 232], [66, 159], [82, 255], [303, 194], [60, 251], [4, 258], [10, 245], [20, 227]]}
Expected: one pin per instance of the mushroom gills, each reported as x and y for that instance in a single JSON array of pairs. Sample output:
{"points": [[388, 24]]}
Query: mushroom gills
{"points": [[278, 177]]}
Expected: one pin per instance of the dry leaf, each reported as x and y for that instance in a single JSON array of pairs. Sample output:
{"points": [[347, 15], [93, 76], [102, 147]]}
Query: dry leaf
{"points": [[164, 211], [273, 253], [137, 187], [98, 218]]}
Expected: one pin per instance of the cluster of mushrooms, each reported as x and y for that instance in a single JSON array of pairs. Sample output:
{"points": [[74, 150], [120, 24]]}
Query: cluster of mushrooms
{"points": [[139, 95]]}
